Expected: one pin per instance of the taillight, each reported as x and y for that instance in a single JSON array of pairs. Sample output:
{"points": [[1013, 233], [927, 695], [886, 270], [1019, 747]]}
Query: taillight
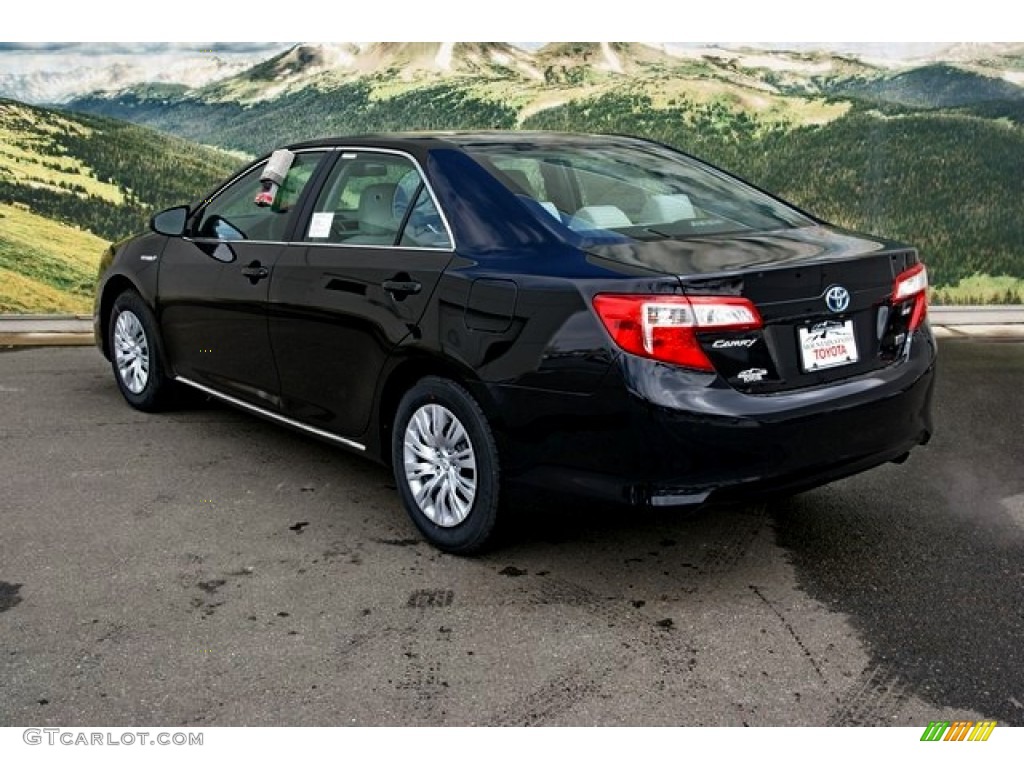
{"points": [[665, 327], [912, 284]]}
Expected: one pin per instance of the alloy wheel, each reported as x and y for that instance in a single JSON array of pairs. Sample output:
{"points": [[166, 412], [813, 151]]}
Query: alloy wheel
{"points": [[440, 465], [131, 352]]}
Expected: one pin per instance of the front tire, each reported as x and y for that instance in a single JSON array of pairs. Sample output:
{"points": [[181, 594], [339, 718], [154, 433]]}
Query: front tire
{"points": [[136, 354], [446, 468]]}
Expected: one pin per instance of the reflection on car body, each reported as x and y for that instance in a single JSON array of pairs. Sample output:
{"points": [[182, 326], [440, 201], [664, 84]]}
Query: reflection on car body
{"points": [[592, 314]]}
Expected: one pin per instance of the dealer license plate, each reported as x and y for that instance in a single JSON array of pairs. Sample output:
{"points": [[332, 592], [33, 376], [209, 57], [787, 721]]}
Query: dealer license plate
{"points": [[827, 345]]}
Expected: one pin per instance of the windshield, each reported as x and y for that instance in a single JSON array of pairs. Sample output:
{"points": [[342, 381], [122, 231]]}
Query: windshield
{"points": [[610, 192]]}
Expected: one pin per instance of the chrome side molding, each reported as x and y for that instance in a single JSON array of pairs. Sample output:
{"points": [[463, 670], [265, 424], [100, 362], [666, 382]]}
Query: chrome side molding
{"points": [[271, 415]]}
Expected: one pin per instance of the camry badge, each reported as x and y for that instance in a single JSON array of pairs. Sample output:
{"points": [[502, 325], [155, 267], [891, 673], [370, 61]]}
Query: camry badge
{"points": [[729, 343], [837, 298]]}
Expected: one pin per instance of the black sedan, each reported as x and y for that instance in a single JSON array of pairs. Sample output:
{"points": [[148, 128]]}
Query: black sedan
{"points": [[593, 314]]}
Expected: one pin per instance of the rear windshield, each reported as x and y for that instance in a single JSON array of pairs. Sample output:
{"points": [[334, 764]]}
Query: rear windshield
{"points": [[609, 192]]}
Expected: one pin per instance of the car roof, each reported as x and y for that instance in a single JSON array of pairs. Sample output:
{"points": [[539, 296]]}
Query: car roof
{"points": [[409, 141]]}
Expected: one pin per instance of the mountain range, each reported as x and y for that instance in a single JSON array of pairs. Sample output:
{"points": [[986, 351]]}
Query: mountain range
{"points": [[929, 152], [310, 90], [58, 73]]}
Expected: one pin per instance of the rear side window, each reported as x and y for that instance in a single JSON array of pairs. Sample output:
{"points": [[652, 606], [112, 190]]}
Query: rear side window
{"points": [[234, 215], [377, 199]]}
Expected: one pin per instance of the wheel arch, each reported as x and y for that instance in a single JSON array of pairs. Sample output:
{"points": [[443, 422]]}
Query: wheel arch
{"points": [[404, 374], [114, 287]]}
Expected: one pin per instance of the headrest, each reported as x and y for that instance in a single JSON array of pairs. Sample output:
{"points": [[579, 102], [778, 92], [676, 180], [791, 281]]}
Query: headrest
{"points": [[603, 216], [376, 209]]}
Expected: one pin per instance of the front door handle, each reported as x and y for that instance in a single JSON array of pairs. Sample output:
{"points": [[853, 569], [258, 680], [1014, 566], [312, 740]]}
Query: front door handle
{"points": [[401, 288], [255, 272]]}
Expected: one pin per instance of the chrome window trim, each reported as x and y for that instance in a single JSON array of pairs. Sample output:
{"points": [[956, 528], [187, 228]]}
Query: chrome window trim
{"points": [[271, 415], [320, 245], [426, 184], [361, 246], [340, 148], [248, 169], [234, 242]]}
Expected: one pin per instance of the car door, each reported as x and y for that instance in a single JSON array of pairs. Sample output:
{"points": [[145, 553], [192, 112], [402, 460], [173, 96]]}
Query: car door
{"points": [[376, 245], [213, 285]]}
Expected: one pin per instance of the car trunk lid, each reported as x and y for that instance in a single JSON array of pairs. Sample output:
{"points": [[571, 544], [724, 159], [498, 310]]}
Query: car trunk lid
{"points": [[824, 296]]}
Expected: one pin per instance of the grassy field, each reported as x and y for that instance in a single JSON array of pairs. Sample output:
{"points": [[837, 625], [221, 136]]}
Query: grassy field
{"points": [[45, 266], [32, 154], [71, 183], [980, 289]]}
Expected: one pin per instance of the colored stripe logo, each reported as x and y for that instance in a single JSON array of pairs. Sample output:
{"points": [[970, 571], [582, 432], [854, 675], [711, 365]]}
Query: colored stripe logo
{"points": [[960, 730]]}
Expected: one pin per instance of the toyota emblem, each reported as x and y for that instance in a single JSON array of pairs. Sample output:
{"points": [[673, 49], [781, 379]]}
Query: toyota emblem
{"points": [[837, 298]]}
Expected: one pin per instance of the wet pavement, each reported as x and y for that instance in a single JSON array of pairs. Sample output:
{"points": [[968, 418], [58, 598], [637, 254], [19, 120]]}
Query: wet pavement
{"points": [[203, 567]]}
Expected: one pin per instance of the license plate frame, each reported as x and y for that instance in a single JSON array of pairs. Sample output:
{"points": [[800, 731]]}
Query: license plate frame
{"points": [[828, 344]]}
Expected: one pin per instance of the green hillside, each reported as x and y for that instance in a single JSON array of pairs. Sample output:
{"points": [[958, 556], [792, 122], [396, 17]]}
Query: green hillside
{"points": [[103, 175], [70, 183], [938, 85], [950, 183], [350, 108], [45, 266]]}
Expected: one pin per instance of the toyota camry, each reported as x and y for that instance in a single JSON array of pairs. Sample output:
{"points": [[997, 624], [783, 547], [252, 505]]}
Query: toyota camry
{"points": [[593, 314]]}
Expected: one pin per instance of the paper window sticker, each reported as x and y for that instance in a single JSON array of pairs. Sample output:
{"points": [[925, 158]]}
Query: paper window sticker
{"points": [[320, 224]]}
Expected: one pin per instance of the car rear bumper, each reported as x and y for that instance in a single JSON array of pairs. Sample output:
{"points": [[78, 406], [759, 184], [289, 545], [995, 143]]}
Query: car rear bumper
{"points": [[664, 437]]}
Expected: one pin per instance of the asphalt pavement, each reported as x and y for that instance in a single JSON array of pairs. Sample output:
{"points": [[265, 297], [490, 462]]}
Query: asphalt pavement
{"points": [[203, 567]]}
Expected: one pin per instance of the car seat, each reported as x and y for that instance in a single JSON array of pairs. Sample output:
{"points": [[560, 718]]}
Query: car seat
{"points": [[376, 216]]}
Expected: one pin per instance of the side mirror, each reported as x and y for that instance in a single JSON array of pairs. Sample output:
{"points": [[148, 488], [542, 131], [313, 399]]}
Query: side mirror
{"points": [[170, 222]]}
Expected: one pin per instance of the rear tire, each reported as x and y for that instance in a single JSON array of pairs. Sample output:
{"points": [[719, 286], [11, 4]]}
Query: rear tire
{"points": [[445, 461], [136, 354]]}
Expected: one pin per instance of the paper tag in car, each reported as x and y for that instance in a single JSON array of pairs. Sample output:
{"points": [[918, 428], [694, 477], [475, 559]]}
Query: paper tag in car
{"points": [[320, 224], [827, 345]]}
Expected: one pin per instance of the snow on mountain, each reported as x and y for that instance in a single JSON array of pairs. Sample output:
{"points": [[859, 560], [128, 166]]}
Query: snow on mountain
{"points": [[323, 65], [56, 73], [443, 60], [409, 59], [611, 59], [40, 79]]}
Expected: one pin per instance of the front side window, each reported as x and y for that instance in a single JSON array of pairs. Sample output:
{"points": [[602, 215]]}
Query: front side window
{"points": [[374, 198], [234, 215], [610, 191]]}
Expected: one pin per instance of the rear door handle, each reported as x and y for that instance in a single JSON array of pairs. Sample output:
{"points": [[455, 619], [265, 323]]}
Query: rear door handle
{"points": [[401, 288], [255, 272]]}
